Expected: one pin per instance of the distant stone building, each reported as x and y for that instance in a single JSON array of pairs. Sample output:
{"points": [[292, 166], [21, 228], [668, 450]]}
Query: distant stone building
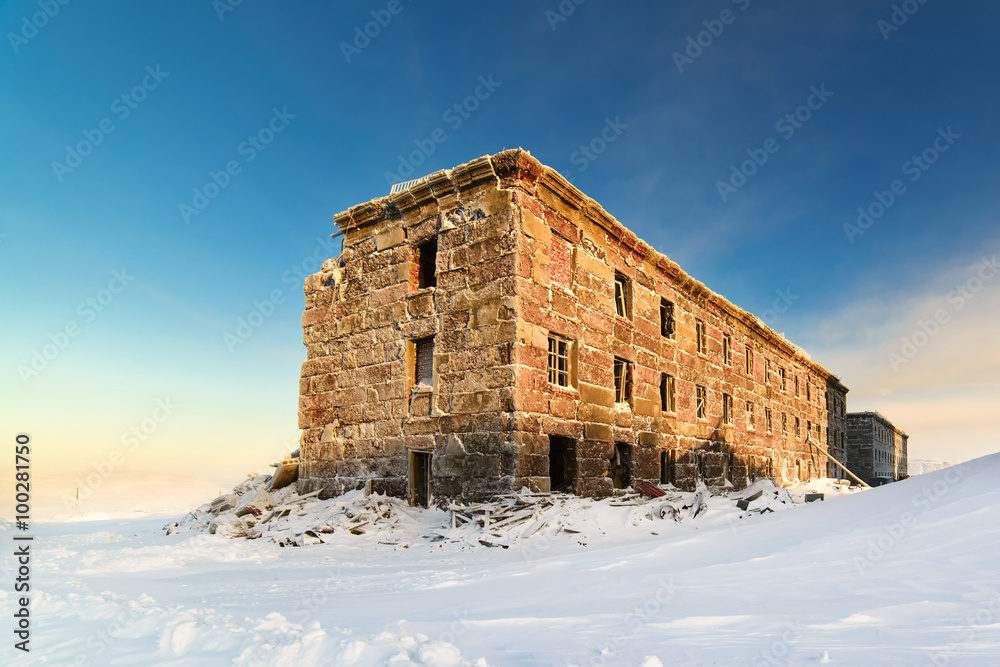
{"points": [[490, 327], [876, 449]]}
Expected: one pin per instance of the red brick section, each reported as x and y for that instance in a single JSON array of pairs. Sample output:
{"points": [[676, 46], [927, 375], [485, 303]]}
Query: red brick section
{"points": [[561, 263], [521, 255]]}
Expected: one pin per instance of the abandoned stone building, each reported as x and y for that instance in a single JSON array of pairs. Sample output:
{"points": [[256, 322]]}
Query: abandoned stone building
{"points": [[876, 449], [489, 327]]}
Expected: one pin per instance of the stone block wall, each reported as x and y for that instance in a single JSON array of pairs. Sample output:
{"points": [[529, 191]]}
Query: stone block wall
{"points": [[521, 257], [877, 449], [552, 214], [836, 431], [860, 445], [362, 412]]}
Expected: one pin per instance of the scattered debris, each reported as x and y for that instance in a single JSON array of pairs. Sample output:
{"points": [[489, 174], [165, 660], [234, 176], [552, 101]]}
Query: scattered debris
{"points": [[647, 489], [696, 506], [668, 511], [286, 472], [260, 507], [256, 504], [744, 503]]}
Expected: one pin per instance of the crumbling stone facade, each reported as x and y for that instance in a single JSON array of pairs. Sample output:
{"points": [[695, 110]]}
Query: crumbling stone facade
{"points": [[836, 432], [490, 327], [876, 449]]}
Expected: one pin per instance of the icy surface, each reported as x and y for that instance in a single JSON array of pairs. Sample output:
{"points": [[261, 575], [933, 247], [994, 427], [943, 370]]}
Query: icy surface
{"points": [[905, 574]]}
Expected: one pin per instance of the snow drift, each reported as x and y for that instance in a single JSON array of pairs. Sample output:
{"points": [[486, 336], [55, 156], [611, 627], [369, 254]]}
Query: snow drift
{"points": [[905, 574]]}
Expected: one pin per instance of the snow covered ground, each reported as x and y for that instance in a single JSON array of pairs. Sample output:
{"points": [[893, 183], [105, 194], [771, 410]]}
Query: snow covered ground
{"points": [[905, 574]]}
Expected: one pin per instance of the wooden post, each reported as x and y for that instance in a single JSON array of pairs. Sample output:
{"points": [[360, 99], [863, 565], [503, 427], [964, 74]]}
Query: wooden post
{"points": [[841, 465]]}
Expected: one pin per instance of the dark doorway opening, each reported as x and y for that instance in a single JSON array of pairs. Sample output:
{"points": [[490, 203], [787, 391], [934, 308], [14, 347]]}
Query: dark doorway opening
{"points": [[668, 466], [562, 464], [729, 461], [420, 479], [621, 464]]}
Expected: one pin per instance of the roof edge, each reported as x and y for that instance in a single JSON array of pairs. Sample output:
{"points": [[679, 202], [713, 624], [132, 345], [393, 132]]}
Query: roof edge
{"points": [[517, 169]]}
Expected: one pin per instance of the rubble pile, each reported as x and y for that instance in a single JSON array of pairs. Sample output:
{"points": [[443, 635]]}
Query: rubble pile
{"points": [[256, 510], [519, 516], [268, 506]]}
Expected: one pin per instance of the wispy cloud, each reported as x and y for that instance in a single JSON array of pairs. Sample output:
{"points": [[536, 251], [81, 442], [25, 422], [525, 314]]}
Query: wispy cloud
{"points": [[928, 358]]}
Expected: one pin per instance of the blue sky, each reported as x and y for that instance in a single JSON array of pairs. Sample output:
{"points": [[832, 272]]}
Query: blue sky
{"points": [[308, 118]]}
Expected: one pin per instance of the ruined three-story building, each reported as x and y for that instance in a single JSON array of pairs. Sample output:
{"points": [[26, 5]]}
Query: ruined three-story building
{"points": [[490, 327]]}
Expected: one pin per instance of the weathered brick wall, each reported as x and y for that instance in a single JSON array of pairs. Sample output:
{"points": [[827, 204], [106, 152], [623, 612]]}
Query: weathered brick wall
{"points": [[584, 313], [360, 410], [506, 228]]}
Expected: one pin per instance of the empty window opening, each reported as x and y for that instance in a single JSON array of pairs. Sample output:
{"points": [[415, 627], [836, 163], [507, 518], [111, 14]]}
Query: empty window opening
{"points": [[699, 336], [427, 261], [784, 424], [727, 409], [749, 416], [620, 465], [559, 374], [767, 371], [623, 380], [808, 390], [668, 466], [666, 318], [796, 385], [726, 349], [623, 296], [749, 361], [424, 362], [560, 259], [562, 464], [727, 462], [767, 419], [420, 478], [701, 398], [798, 427], [781, 378], [666, 393]]}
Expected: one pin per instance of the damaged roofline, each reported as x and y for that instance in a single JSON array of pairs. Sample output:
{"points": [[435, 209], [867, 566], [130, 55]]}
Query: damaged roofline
{"points": [[518, 169]]}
